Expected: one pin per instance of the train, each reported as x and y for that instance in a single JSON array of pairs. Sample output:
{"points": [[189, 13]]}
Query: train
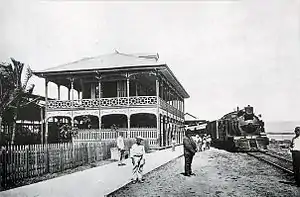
{"points": [[240, 130]]}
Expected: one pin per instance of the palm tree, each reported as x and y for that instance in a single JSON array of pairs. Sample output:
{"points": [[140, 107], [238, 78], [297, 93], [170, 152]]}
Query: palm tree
{"points": [[13, 90]]}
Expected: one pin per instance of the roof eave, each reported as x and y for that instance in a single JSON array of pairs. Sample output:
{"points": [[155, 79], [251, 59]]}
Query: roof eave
{"points": [[185, 94], [63, 72]]}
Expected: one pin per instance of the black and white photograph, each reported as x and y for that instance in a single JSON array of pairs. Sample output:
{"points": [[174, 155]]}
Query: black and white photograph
{"points": [[162, 98]]}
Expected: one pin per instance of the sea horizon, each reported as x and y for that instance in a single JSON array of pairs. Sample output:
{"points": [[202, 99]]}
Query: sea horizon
{"points": [[281, 130]]}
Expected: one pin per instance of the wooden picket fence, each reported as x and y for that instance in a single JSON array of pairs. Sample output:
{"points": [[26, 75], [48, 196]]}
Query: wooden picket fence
{"points": [[19, 162]]}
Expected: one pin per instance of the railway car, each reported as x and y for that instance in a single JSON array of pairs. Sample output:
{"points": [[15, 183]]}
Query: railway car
{"points": [[240, 130], [199, 129], [194, 125]]}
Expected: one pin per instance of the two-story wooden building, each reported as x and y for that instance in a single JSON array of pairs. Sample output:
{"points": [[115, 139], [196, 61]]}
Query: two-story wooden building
{"points": [[135, 92]]}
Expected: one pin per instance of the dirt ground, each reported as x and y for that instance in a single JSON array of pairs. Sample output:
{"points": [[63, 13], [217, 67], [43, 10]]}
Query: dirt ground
{"points": [[218, 174]]}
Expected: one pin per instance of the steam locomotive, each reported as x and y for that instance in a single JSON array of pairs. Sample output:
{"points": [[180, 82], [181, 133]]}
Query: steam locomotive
{"points": [[240, 130]]}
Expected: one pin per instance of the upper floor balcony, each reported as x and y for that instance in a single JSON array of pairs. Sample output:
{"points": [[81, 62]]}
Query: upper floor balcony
{"points": [[115, 80], [117, 102]]}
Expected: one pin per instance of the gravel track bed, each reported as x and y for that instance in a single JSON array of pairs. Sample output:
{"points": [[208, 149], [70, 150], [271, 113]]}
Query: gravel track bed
{"points": [[286, 164], [280, 151], [218, 173]]}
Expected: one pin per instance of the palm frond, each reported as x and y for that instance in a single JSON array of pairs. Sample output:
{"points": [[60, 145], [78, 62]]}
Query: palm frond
{"points": [[17, 71], [29, 90], [28, 75]]}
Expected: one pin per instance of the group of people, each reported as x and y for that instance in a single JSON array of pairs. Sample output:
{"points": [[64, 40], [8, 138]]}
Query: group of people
{"points": [[137, 152], [191, 145], [202, 142]]}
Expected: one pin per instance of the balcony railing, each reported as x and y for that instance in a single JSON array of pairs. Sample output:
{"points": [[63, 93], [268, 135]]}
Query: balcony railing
{"points": [[169, 108], [111, 103], [105, 102], [93, 135]]}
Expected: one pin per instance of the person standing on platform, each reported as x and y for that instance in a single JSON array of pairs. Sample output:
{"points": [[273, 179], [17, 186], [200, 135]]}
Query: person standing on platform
{"points": [[190, 148], [204, 142], [295, 149], [208, 142], [137, 154], [173, 143], [121, 148], [198, 142]]}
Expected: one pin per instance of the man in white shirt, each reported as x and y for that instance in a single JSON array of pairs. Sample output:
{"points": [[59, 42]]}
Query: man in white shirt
{"points": [[295, 149], [204, 143], [208, 142], [197, 141], [137, 154], [121, 148]]}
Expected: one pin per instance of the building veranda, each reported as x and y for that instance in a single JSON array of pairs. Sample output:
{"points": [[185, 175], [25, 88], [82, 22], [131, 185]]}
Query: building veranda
{"points": [[135, 92]]}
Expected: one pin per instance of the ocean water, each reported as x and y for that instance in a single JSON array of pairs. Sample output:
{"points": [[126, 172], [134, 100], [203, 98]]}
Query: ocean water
{"points": [[281, 130]]}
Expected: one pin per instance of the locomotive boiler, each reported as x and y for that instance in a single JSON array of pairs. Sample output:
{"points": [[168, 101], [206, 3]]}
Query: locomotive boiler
{"points": [[240, 130]]}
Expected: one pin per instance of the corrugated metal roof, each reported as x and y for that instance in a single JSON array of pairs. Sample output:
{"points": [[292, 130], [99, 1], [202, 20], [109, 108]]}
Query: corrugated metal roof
{"points": [[113, 60], [117, 61]]}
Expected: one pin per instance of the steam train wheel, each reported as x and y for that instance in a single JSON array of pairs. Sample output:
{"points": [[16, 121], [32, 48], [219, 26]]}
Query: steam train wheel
{"points": [[229, 145]]}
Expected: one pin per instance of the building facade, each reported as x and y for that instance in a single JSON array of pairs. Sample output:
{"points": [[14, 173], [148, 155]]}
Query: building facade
{"points": [[134, 92]]}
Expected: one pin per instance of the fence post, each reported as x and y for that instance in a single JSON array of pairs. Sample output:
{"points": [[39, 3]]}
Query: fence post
{"points": [[61, 157], [47, 159], [73, 154], [97, 152], [35, 158], [88, 153], [3, 169], [86, 159], [27, 161]]}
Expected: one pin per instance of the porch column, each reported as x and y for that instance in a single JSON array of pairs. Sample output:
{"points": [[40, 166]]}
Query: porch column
{"points": [[168, 95], [78, 94], [161, 130], [69, 94], [58, 91], [157, 112], [99, 98], [128, 106], [46, 107], [42, 125], [72, 98], [164, 92], [128, 126], [182, 105]]}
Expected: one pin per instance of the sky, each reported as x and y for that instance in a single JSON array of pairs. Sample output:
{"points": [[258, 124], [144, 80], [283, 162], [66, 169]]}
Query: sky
{"points": [[225, 53]]}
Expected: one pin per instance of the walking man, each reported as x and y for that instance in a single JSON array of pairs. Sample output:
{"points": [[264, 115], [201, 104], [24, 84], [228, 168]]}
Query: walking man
{"points": [[137, 154], [190, 148], [121, 148], [295, 149]]}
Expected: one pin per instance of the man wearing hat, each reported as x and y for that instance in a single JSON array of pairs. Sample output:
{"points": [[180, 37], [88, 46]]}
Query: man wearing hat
{"points": [[295, 149], [137, 154], [190, 148], [121, 148]]}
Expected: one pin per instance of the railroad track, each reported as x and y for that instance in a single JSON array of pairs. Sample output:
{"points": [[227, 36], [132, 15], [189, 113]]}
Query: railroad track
{"points": [[275, 160]]}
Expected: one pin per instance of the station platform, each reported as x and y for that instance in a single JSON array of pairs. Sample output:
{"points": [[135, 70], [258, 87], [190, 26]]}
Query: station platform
{"points": [[94, 182]]}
